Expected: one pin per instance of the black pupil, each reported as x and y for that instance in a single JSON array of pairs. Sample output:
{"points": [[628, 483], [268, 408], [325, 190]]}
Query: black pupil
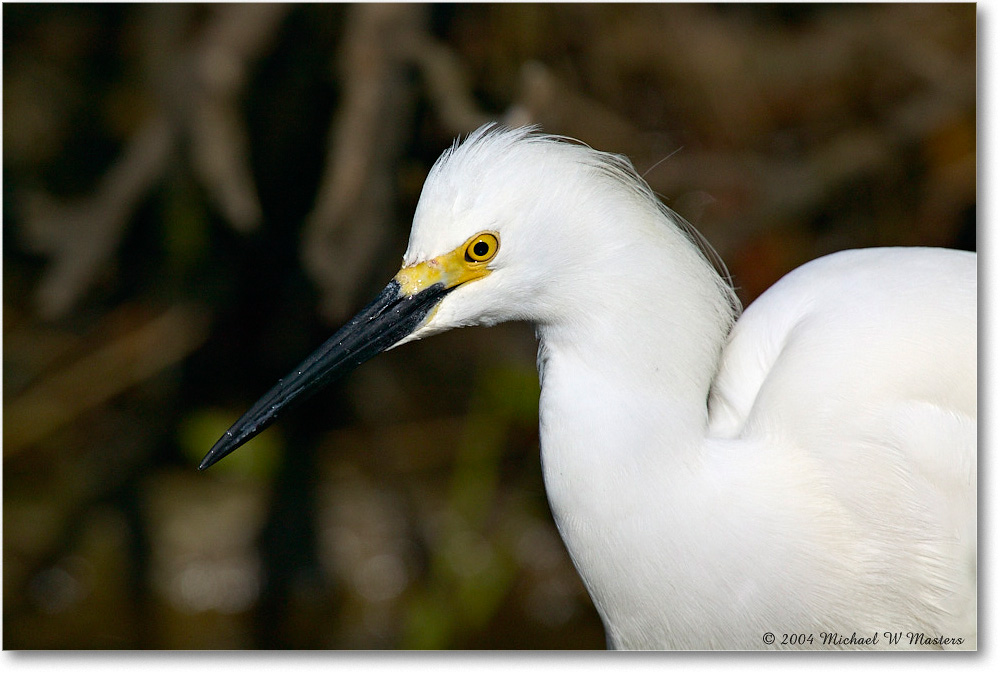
{"points": [[480, 248]]}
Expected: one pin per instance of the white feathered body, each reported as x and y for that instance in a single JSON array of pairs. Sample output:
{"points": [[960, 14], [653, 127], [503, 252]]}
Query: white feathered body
{"points": [[834, 492], [809, 469]]}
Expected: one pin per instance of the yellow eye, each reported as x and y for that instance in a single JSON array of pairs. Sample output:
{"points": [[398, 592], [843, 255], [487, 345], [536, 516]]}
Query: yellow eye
{"points": [[482, 247]]}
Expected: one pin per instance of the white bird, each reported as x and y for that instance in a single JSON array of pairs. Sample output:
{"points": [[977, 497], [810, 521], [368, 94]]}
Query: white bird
{"points": [[803, 477]]}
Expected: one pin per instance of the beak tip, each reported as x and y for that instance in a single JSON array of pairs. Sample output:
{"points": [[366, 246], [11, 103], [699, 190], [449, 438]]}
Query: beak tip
{"points": [[212, 457], [223, 446]]}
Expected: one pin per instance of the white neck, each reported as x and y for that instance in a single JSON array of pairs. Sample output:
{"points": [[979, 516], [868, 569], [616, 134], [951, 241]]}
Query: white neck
{"points": [[614, 439], [655, 313]]}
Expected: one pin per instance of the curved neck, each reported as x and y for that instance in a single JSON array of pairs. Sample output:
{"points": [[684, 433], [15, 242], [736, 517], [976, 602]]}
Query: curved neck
{"points": [[656, 321], [623, 408]]}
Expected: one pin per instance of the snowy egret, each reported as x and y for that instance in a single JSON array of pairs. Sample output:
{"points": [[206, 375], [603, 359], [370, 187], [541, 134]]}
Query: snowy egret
{"points": [[803, 477]]}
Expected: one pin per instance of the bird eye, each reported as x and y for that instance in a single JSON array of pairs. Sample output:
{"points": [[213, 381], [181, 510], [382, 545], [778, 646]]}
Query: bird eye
{"points": [[482, 247]]}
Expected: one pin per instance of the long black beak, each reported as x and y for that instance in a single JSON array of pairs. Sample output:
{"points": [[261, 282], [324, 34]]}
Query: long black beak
{"points": [[387, 319]]}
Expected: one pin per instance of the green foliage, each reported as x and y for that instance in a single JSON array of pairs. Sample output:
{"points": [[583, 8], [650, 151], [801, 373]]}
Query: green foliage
{"points": [[470, 572]]}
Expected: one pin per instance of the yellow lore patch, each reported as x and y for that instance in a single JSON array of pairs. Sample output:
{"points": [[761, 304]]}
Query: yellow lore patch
{"points": [[466, 263]]}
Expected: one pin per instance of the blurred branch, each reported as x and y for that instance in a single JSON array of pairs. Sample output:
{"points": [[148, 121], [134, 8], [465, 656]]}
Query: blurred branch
{"points": [[235, 38], [447, 83], [354, 204], [91, 381], [543, 98], [81, 237]]}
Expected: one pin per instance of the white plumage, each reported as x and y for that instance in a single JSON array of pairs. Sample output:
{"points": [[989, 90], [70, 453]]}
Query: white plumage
{"points": [[807, 469]]}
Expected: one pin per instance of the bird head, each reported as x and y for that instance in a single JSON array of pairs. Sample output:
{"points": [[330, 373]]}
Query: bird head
{"points": [[504, 228]]}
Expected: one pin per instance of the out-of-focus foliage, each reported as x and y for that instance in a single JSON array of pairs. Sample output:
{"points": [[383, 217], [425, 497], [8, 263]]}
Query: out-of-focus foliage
{"points": [[194, 196]]}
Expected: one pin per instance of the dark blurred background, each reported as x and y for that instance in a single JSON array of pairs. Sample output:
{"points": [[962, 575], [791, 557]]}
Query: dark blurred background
{"points": [[194, 196]]}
